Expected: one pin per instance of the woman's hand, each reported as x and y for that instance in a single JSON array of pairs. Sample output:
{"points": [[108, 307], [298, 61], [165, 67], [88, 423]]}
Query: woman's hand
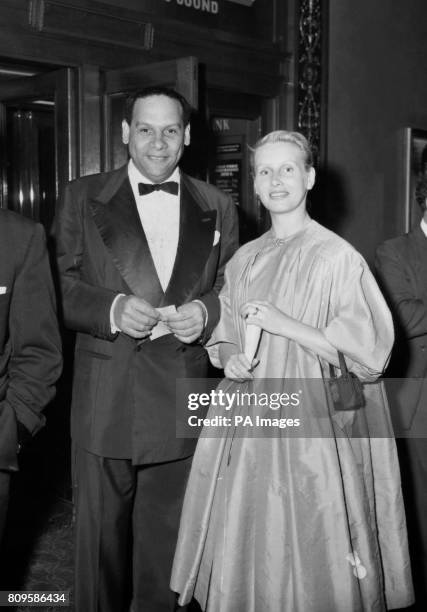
{"points": [[266, 316], [275, 321], [239, 368]]}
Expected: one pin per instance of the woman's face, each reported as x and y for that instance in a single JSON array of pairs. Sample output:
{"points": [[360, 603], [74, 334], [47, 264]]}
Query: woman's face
{"points": [[281, 179]]}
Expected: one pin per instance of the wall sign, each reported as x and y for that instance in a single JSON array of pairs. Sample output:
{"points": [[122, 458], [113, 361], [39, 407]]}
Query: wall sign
{"points": [[234, 147], [208, 6], [227, 177], [247, 18]]}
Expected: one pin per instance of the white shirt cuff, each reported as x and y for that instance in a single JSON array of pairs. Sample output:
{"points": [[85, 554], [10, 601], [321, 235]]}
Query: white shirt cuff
{"points": [[114, 328], [205, 312]]}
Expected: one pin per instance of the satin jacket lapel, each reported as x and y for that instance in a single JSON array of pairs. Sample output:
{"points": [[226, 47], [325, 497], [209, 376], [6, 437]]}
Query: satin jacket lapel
{"points": [[196, 235], [116, 216], [420, 256]]}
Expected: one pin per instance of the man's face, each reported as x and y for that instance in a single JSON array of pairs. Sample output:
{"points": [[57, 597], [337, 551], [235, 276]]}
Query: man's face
{"points": [[156, 136]]}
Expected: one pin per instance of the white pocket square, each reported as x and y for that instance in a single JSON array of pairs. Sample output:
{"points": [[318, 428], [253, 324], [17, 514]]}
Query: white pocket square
{"points": [[3, 290], [216, 237]]}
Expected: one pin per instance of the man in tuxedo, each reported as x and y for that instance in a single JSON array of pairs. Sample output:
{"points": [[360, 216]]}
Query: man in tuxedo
{"points": [[141, 253], [30, 346], [402, 269]]}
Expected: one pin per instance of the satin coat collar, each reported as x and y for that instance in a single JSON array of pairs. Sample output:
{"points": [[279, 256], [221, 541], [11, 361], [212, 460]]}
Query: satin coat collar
{"points": [[115, 214]]}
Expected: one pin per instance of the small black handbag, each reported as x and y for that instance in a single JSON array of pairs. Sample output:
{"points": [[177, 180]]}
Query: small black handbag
{"points": [[346, 390]]}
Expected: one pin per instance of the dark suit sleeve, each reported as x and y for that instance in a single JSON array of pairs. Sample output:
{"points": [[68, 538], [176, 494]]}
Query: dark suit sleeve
{"points": [[394, 276], [229, 245], [35, 361], [86, 306]]}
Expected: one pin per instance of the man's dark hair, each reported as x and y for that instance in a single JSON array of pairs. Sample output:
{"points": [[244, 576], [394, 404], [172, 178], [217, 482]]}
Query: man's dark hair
{"points": [[421, 192], [157, 91]]}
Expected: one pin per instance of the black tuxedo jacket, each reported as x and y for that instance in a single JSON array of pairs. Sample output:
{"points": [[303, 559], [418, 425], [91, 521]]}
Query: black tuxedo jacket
{"points": [[401, 264], [30, 354], [124, 392]]}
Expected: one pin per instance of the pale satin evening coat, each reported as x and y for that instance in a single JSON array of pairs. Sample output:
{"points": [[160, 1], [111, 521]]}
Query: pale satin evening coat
{"points": [[299, 524]]}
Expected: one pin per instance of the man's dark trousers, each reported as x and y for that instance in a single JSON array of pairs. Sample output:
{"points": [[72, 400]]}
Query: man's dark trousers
{"points": [[111, 496]]}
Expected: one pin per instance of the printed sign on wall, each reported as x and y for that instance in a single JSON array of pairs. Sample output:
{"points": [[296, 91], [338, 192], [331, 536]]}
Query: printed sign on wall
{"points": [[208, 6], [248, 18], [227, 177]]}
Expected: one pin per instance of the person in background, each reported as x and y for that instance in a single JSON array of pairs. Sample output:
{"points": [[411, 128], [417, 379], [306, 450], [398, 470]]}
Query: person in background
{"points": [[285, 520], [401, 265], [141, 254], [30, 345]]}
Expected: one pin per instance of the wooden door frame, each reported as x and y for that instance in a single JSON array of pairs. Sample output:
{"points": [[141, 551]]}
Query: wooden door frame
{"points": [[58, 85]]}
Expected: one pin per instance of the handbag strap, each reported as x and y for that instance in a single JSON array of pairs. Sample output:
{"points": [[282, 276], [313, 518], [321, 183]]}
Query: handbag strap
{"points": [[343, 366]]}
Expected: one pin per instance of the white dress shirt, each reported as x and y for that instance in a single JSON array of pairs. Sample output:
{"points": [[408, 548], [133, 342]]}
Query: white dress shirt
{"points": [[424, 227], [159, 214]]}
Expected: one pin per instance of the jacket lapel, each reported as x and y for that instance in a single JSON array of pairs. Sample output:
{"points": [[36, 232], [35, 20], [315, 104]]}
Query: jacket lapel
{"points": [[116, 216], [196, 235], [420, 258]]}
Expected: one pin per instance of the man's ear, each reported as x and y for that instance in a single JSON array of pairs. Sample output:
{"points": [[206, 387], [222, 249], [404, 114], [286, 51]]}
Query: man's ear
{"points": [[125, 132], [187, 136]]}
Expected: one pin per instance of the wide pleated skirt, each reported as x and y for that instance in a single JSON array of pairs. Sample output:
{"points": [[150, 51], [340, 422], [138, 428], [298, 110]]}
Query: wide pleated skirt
{"points": [[293, 524]]}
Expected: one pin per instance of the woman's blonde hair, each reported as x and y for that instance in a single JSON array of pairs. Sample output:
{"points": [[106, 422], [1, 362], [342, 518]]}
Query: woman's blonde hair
{"points": [[284, 136]]}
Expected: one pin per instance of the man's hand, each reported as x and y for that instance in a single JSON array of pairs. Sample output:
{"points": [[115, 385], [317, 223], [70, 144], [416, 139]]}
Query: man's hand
{"points": [[134, 316], [188, 322]]}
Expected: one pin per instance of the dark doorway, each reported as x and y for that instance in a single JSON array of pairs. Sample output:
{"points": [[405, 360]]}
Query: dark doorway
{"points": [[30, 161], [27, 132]]}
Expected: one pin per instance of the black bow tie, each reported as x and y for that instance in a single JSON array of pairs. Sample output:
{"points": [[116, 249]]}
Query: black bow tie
{"points": [[170, 187]]}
